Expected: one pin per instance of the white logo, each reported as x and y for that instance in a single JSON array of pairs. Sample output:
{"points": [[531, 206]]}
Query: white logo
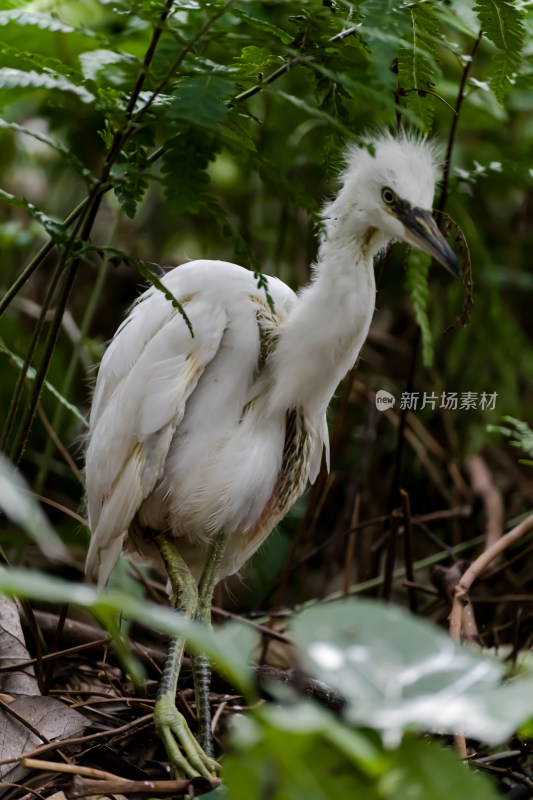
{"points": [[384, 400]]}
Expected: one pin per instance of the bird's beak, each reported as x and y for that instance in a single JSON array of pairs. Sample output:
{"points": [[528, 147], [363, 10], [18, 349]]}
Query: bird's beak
{"points": [[422, 232]]}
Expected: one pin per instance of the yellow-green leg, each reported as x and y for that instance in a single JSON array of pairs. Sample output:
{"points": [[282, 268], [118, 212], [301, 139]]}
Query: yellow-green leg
{"points": [[200, 665], [170, 724]]}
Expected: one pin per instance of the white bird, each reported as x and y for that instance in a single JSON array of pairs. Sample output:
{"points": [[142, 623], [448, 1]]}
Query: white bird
{"points": [[199, 445]]}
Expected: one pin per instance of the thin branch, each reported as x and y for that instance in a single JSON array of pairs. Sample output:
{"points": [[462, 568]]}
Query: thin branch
{"points": [[453, 128], [288, 65], [145, 721], [408, 549], [477, 567], [483, 486], [403, 92], [390, 558]]}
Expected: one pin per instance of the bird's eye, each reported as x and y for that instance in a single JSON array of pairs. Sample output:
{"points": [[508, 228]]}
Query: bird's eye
{"points": [[388, 196]]}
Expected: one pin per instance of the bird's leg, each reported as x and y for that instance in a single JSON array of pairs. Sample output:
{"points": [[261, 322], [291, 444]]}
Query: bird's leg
{"points": [[170, 724], [200, 664]]}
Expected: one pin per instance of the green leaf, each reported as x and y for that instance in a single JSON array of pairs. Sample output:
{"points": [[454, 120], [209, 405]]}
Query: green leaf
{"points": [[399, 673], [198, 100], [242, 11], [416, 281], [30, 375], [502, 23], [150, 276], [132, 171], [421, 770], [302, 752], [417, 69], [383, 26], [18, 503], [310, 110], [254, 60], [54, 228], [230, 649], [184, 166], [30, 80], [285, 753], [35, 18], [109, 68], [518, 429]]}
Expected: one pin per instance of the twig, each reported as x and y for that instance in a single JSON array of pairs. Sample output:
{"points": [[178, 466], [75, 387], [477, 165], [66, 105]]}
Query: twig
{"points": [[137, 723], [23, 721], [483, 486], [263, 629], [350, 546], [423, 92], [177, 788], [60, 446], [72, 769], [392, 538], [408, 549], [453, 128], [217, 715], [477, 567], [445, 579]]}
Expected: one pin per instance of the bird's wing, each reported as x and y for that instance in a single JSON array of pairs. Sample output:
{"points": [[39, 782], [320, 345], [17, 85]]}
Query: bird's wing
{"points": [[148, 373]]}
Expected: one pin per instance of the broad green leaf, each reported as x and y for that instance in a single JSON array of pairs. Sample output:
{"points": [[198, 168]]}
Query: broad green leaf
{"points": [[400, 673], [228, 648], [19, 505], [301, 752], [420, 770], [285, 753]]}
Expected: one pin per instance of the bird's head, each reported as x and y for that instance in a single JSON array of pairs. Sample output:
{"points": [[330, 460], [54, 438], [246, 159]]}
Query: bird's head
{"points": [[388, 186]]}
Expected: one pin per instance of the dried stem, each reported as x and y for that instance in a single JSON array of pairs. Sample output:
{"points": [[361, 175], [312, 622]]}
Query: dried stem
{"points": [[477, 567]]}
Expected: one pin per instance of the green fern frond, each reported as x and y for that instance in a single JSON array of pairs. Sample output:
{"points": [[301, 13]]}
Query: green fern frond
{"points": [[54, 228], [521, 431], [23, 81], [416, 282], [417, 64], [502, 23], [184, 166]]}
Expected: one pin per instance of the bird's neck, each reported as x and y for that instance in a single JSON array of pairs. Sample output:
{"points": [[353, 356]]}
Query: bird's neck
{"points": [[320, 339]]}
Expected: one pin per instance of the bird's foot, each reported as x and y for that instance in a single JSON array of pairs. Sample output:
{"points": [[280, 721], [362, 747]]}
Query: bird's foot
{"points": [[173, 729]]}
